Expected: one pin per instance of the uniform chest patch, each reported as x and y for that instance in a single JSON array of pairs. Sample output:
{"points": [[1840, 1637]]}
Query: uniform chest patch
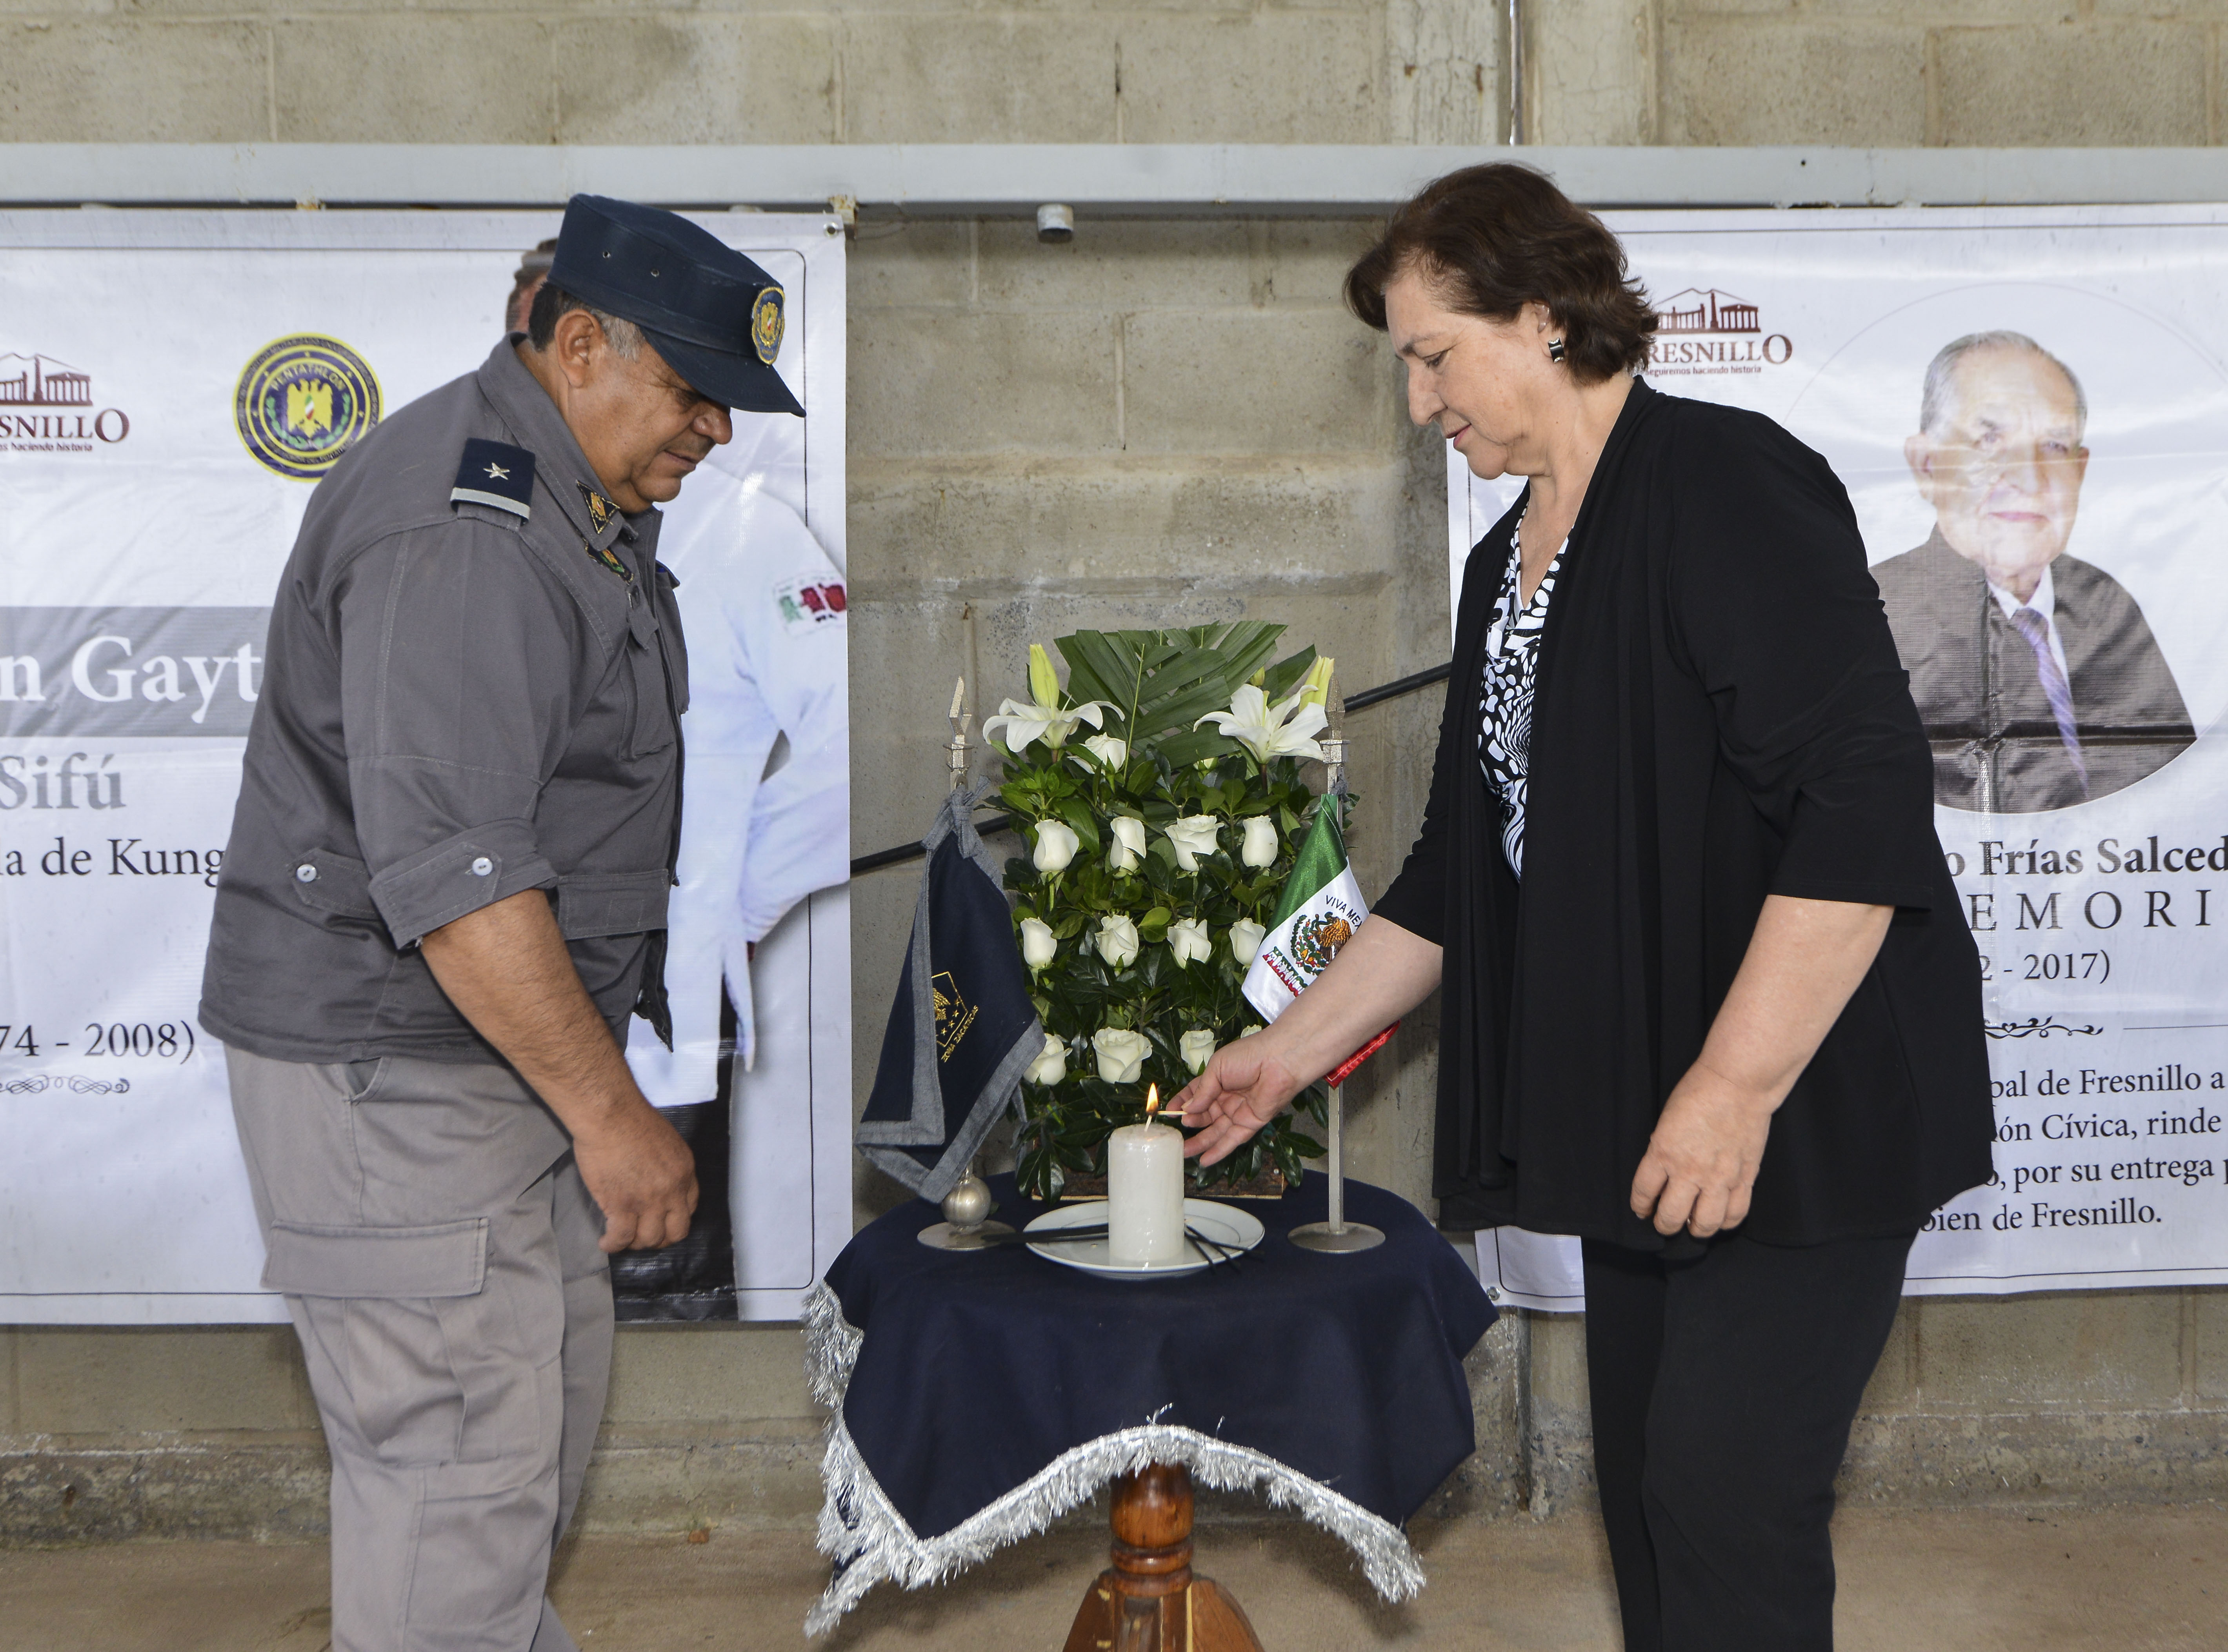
{"points": [[610, 560], [600, 509], [494, 473], [811, 605]]}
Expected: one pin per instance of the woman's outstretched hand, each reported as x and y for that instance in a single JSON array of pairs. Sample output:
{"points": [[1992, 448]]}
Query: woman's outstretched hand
{"points": [[1700, 1165], [1243, 1086]]}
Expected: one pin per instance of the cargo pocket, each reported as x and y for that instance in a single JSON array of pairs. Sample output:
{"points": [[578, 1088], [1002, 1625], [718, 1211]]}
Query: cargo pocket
{"points": [[333, 883], [590, 904], [447, 1259]]}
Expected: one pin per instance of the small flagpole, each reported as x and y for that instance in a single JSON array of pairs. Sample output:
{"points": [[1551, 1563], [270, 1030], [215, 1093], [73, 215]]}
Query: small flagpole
{"points": [[960, 719], [1336, 1236], [966, 1225]]}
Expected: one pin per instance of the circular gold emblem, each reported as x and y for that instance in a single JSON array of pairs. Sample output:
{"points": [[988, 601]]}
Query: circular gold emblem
{"points": [[766, 325], [300, 403]]}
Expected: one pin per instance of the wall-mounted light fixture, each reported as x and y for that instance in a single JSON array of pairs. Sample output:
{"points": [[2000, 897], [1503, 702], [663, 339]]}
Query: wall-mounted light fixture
{"points": [[1055, 224]]}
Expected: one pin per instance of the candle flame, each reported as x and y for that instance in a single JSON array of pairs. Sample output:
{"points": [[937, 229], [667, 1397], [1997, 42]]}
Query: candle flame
{"points": [[1152, 1100]]}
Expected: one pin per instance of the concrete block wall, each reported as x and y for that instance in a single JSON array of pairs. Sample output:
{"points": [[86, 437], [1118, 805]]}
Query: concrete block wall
{"points": [[1161, 422], [1874, 73], [750, 70]]}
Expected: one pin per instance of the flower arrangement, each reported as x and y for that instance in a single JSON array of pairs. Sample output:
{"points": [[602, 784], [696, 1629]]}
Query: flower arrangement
{"points": [[1157, 845]]}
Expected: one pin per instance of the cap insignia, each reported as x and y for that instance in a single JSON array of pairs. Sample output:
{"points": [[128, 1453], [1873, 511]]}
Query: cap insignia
{"points": [[766, 325], [495, 474]]}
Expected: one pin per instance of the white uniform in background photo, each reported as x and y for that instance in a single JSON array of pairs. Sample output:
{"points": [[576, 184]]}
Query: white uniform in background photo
{"points": [[765, 824]]}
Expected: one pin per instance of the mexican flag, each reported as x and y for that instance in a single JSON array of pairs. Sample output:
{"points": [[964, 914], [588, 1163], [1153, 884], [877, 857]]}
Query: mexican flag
{"points": [[1317, 913]]}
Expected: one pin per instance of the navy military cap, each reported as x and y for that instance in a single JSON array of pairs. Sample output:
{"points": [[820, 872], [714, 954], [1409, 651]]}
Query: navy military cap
{"points": [[714, 316]]}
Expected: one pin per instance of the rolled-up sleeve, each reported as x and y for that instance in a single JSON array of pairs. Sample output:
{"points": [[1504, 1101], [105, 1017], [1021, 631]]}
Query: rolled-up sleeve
{"points": [[1773, 605], [456, 667]]}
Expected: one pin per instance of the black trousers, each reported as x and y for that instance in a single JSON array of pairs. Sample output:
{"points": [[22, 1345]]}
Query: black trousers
{"points": [[1723, 1391]]}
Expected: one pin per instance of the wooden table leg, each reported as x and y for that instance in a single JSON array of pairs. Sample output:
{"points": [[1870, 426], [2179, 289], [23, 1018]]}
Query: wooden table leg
{"points": [[1148, 1600]]}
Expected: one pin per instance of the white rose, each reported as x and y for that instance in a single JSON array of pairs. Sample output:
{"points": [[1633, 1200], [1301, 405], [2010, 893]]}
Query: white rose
{"points": [[1195, 1047], [1111, 751], [1193, 836], [1038, 947], [1051, 1064], [1188, 940], [1260, 848], [1117, 941], [1121, 1053], [1249, 1032], [1245, 939], [1056, 846], [1129, 847]]}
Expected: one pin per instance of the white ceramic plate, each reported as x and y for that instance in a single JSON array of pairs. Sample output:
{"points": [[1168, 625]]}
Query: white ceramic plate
{"points": [[1226, 1223]]}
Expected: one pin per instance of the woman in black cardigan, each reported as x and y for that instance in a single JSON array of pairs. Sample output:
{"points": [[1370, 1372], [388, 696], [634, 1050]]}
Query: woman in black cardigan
{"points": [[1708, 1002]]}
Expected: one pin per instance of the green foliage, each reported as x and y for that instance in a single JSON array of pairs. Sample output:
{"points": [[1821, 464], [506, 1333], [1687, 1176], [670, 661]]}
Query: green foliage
{"points": [[1158, 685]]}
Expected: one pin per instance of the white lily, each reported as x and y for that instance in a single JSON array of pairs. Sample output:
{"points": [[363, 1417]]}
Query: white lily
{"points": [[1121, 1053], [1043, 718], [1188, 940], [1315, 688], [1195, 1047], [1128, 848], [1246, 937], [1192, 836], [1117, 941], [1281, 730], [1260, 847], [1038, 946], [1051, 1064], [1111, 751], [1056, 846]]}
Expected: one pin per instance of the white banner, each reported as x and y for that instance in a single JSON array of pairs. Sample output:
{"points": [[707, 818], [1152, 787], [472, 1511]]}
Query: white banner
{"points": [[170, 385], [2069, 470]]}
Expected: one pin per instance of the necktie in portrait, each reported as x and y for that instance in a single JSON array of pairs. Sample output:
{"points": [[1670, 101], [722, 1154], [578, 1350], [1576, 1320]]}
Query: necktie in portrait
{"points": [[2032, 626]]}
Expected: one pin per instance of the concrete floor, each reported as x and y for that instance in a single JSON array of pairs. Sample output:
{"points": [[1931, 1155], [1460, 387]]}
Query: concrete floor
{"points": [[2130, 1579]]}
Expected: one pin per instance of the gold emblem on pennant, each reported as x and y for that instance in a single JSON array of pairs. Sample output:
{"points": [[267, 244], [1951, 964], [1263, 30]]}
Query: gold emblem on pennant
{"points": [[766, 325], [954, 1014], [600, 509]]}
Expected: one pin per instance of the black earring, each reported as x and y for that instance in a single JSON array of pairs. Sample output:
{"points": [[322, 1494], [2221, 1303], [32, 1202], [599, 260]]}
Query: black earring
{"points": [[1555, 350]]}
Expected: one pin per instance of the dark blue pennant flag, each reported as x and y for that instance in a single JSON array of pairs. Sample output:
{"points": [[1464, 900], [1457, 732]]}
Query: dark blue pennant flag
{"points": [[963, 1031]]}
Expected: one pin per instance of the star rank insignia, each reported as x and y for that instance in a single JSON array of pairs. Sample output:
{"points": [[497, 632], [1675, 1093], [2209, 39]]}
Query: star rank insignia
{"points": [[601, 512], [494, 473]]}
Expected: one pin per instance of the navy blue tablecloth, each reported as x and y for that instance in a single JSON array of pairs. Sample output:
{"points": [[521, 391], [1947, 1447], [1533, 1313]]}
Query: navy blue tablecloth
{"points": [[976, 1370]]}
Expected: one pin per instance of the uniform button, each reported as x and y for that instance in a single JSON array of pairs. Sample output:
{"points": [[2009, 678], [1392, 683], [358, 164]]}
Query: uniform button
{"points": [[305, 873], [482, 866]]}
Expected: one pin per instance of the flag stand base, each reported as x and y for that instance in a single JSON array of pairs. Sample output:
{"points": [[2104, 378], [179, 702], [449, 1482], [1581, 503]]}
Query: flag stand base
{"points": [[1338, 1236], [1346, 1236], [944, 1235]]}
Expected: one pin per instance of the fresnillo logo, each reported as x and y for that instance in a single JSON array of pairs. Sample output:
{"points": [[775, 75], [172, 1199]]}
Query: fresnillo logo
{"points": [[46, 407], [302, 401], [1713, 332]]}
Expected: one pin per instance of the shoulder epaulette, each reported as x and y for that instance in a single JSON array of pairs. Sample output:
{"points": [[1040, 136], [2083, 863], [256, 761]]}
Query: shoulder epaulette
{"points": [[492, 473]]}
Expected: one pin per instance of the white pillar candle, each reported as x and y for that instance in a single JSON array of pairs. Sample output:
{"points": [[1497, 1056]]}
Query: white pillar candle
{"points": [[1145, 1193]]}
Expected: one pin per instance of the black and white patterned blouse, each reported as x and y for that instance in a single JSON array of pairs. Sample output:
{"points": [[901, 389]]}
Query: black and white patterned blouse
{"points": [[1512, 656]]}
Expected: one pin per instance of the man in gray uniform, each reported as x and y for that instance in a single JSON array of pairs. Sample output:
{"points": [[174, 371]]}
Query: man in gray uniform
{"points": [[444, 896]]}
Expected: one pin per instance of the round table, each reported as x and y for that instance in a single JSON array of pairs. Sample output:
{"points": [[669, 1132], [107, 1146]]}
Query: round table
{"points": [[978, 1395]]}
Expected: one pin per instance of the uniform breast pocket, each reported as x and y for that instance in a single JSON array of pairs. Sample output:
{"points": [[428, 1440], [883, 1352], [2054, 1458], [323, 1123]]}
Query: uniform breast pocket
{"points": [[654, 726]]}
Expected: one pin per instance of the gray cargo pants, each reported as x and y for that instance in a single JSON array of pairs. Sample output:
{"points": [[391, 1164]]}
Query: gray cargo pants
{"points": [[438, 1253]]}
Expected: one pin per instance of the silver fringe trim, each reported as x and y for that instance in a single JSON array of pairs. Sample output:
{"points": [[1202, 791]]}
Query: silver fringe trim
{"points": [[831, 1347], [869, 1541]]}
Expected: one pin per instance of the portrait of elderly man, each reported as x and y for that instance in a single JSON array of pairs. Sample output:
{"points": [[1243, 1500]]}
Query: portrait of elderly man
{"points": [[2038, 679]]}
